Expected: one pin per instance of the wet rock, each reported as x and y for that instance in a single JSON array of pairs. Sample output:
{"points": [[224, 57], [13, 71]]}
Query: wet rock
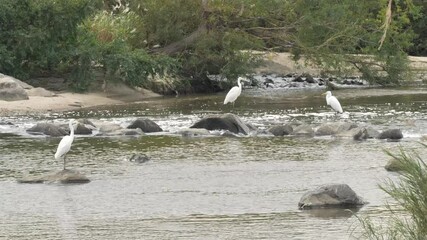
{"points": [[65, 176], [11, 90], [334, 128], [226, 121], [251, 127], [393, 165], [47, 129], [82, 130], [372, 133], [303, 130], [139, 158], [298, 79], [106, 127], [111, 127], [393, 134], [40, 92], [146, 125], [281, 130], [87, 122], [333, 195], [194, 132], [309, 78], [360, 134], [267, 82]]}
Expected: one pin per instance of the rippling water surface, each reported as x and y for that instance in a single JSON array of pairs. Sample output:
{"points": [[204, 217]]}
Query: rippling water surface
{"points": [[211, 187]]}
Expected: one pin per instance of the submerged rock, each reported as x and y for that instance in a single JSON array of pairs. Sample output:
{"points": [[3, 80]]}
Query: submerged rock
{"points": [[393, 165], [194, 132], [226, 121], [47, 129], [146, 125], [281, 130], [334, 195], [334, 128], [139, 158], [393, 134], [82, 130], [65, 176]]}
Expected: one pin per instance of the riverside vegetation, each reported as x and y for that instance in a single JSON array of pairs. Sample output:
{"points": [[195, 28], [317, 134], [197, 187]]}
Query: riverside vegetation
{"points": [[172, 46]]}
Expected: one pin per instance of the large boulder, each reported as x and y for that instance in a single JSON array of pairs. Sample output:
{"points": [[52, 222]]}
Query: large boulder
{"points": [[11, 90], [47, 129], [334, 195], [146, 125], [226, 121], [65, 176], [281, 130], [393, 134]]}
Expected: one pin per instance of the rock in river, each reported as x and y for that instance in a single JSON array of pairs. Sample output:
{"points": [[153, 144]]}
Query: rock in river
{"points": [[334, 195], [393, 134], [146, 125], [65, 176], [47, 129], [281, 130], [139, 158], [226, 121]]}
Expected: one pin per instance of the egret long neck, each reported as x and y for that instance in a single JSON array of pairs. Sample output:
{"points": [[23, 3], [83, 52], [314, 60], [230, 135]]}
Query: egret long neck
{"points": [[71, 129], [238, 83]]}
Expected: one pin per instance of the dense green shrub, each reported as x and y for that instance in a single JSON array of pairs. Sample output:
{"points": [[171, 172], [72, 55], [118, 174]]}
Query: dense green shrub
{"points": [[104, 45], [333, 35], [36, 36]]}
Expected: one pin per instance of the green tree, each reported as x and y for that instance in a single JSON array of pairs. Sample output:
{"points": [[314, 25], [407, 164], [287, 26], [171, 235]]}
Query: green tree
{"points": [[345, 36], [36, 36]]}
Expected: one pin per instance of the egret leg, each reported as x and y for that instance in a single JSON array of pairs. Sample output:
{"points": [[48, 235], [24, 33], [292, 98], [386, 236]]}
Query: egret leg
{"points": [[64, 160]]}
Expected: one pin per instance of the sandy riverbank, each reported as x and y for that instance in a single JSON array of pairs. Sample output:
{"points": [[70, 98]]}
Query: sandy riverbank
{"points": [[67, 101]]}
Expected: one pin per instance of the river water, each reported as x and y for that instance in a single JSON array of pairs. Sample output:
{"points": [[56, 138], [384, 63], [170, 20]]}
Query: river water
{"points": [[214, 187]]}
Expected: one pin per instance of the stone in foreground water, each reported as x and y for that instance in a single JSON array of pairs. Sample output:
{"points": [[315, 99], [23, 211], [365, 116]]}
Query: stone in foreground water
{"points": [[65, 176], [333, 195]]}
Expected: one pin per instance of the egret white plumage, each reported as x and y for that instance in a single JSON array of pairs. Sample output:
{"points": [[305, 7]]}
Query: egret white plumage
{"points": [[333, 102], [234, 92], [65, 144]]}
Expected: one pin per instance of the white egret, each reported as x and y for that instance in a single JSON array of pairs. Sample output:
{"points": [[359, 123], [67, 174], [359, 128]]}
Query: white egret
{"points": [[333, 102], [234, 92], [65, 144]]}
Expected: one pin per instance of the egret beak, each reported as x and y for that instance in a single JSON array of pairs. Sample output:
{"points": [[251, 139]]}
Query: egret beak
{"points": [[323, 94]]}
